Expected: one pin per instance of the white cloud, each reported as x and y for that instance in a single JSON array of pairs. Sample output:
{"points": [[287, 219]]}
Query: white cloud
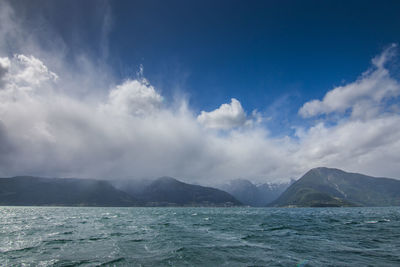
{"points": [[23, 72], [31, 70], [227, 116], [363, 96], [128, 134], [4, 65], [368, 140], [367, 146], [73, 126], [134, 97]]}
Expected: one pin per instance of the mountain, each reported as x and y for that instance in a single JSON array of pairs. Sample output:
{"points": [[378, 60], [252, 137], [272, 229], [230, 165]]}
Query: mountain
{"points": [[167, 191], [26, 190], [322, 187], [254, 195]]}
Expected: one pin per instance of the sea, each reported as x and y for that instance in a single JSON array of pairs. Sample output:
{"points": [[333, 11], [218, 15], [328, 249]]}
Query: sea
{"points": [[96, 236]]}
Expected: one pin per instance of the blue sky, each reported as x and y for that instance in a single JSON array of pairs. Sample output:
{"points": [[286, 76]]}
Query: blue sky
{"points": [[270, 79], [265, 53], [255, 51]]}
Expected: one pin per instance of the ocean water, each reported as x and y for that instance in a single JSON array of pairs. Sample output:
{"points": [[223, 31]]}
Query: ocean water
{"points": [[75, 236]]}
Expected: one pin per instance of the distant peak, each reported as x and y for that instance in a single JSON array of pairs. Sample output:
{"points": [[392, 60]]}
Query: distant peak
{"points": [[241, 181], [322, 172], [324, 169], [320, 168], [167, 179]]}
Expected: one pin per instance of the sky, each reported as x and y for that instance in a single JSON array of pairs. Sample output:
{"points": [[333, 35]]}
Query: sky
{"points": [[204, 91]]}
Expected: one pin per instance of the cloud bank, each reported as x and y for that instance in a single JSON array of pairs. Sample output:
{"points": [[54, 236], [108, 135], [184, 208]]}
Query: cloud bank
{"points": [[56, 121]]}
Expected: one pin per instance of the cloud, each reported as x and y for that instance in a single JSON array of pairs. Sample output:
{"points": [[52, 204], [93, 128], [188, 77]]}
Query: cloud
{"points": [[4, 65], [29, 71], [134, 97], [130, 133], [227, 116], [363, 96], [72, 118], [366, 146], [368, 140]]}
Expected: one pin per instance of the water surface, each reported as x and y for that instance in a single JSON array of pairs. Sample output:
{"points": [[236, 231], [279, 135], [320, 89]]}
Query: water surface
{"points": [[75, 236]]}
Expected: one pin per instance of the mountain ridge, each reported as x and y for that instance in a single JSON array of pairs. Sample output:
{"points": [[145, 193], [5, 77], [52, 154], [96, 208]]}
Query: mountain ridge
{"points": [[30, 190], [319, 187], [164, 191], [324, 186]]}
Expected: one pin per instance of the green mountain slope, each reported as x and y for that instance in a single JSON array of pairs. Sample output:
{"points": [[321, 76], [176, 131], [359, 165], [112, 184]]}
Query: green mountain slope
{"points": [[321, 187]]}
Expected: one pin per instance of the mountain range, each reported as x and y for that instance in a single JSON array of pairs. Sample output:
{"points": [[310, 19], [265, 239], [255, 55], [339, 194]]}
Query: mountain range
{"points": [[164, 191], [319, 187]]}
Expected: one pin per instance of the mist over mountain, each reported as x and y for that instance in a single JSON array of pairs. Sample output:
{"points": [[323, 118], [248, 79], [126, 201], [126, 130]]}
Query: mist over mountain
{"points": [[254, 195], [321, 187]]}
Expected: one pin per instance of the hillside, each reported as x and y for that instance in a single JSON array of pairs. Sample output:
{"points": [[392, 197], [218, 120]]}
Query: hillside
{"points": [[35, 191], [321, 187], [167, 191]]}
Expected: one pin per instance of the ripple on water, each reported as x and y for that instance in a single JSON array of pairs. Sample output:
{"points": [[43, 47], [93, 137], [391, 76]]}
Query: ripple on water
{"points": [[199, 236]]}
